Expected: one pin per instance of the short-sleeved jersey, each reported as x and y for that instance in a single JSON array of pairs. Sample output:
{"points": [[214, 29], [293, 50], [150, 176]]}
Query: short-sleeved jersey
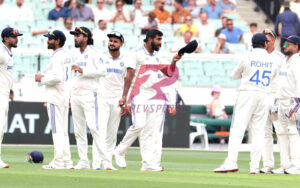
{"points": [[112, 84], [6, 70], [257, 70], [92, 69], [289, 77], [56, 78]]}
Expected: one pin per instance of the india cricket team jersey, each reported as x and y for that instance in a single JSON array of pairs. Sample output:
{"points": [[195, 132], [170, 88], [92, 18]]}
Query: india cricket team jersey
{"points": [[289, 76], [92, 70], [56, 78], [281, 60], [112, 84], [256, 70], [6, 70], [145, 64]]}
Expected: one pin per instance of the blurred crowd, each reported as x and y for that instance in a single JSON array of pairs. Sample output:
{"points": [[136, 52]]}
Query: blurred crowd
{"points": [[189, 18]]}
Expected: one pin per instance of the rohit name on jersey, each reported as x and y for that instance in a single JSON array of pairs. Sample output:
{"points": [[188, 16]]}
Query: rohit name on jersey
{"points": [[261, 64]]}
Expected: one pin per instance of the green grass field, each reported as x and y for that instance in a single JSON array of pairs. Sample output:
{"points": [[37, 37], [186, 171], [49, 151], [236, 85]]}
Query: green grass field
{"points": [[184, 168]]}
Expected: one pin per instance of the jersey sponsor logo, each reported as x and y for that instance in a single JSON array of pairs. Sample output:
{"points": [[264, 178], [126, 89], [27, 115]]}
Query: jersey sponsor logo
{"points": [[107, 62], [10, 67], [119, 71], [281, 73], [145, 73], [81, 64]]}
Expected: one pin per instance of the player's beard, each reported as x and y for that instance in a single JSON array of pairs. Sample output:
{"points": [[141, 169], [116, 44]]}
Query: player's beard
{"points": [[288, 53], [78, 44], [51, 46], [154, 46], [113, 49]]}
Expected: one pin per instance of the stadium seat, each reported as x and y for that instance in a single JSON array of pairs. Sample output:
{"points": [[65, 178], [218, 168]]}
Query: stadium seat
{"points": [[201, 132]]}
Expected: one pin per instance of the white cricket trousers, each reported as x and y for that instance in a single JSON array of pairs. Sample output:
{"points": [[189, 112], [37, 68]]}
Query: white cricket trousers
{"points": [[109, 121], [289, 140], [85, 111], [147, 123], [250, 109], [4, 105], [267, 153], [58, 118]]}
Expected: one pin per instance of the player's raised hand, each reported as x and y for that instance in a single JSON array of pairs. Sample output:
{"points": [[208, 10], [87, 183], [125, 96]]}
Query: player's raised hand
{"points": [[76, 68]]}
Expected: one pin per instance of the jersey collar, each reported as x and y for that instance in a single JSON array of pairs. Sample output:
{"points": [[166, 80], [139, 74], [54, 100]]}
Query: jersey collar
{"points": [[111, 57], [59, 49], [7, 50], [147, 53]]}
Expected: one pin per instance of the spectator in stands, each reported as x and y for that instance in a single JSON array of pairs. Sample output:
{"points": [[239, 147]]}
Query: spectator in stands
{"points": [[81, 12], [187, 37], [248, 36], [119, 14], [205, 30], [187, 26], [214, 11], [227, 6], [100, 34], [21, 12], [224, 22], [216, 109], [193, 8], [150, 22], [180, 13], [233, 34], [68, 26], [137, 14], [4, 11], [100, 13], [289, 21], [59, 13], [162, 14], [222, 46]]}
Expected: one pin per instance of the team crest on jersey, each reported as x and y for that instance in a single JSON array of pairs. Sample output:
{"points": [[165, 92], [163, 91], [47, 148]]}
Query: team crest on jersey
{"points": [[86, 56], [68, 60], [122, 64], [107, 62], [101, 60], [157, 60]]}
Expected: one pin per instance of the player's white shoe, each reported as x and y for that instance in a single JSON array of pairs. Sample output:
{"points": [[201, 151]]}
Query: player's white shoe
{"points": [[254, 171], [292, 170], [82, 165], [120, 160], [69, 165], [96, 166], [266, 170], [153, 169], [278, 171], [3, 165], [227, 168], [108, 166]]}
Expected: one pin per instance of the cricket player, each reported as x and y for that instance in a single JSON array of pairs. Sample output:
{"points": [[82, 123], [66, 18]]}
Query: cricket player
{"points": [[10, 40], [256, 70], [286, 130], [84, 98], [56, 81], [110, 91], [267, 154], [147, 113]]}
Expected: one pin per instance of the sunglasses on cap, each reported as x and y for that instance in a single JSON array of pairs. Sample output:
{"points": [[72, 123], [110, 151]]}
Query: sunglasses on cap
{"points": [[81, 31], [269, 32], [285, 44]]}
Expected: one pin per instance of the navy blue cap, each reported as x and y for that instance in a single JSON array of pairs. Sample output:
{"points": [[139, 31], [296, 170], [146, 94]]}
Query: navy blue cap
{"points": [[116, 34], [36, 157], [56, 34], [259, 38], [10, 32], [293, 39], [82, 30]]}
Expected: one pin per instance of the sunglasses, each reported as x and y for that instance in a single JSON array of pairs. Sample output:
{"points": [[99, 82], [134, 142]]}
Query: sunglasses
{"points": [[286, 45], [81, 31], [117, 34], [269, 32]]}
